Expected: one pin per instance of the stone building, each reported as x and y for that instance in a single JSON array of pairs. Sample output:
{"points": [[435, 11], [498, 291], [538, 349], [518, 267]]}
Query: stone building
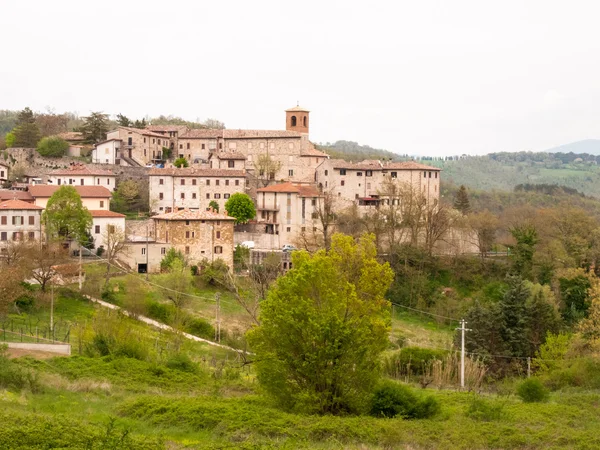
{"points": [[139, 147], [172, 132], [193, 188], [81, 175], [19, 221], [199, 235], [287, 210], [362, 182]]}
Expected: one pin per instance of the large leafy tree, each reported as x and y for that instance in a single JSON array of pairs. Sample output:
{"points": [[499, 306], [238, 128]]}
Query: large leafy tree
{"points": [[27, 133], [95, 127], [65, 217], [241, 207], [323, 327]]}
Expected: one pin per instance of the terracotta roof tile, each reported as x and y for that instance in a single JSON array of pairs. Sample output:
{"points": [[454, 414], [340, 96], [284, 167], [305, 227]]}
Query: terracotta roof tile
{"points": [[312, 151], [304, 190], [142, 132], [409, 165], [194, 172], [82, 169], [257, 134], [6, 194], [368, 164], [158, 128], [71, 136], [18, 204], [199, 133], [297, 108], [105, 213], [228, 155], [187, 214], [46, 191]]}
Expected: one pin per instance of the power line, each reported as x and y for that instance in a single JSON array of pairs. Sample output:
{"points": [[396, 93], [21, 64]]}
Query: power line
{"points": [[425, 312]]}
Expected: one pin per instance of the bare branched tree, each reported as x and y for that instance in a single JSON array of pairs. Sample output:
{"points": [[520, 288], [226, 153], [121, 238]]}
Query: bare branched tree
{"points": [[43, 260], [265, 169], [114, 246]]}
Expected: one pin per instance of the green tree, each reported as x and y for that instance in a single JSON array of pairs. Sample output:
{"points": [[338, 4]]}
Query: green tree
{"points": [[10, 139], [172, 255], [95, 127], [27, 132], [461, 201], [181, 162], [53, 147], [123, 121], [65, 217], [214, 205], [241, 207], [323, 327], [126, 197], [527, 238], [514, 318]]}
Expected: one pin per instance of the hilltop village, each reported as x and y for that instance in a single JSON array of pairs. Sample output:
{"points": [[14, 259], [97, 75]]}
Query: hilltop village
{"points": [[297, 190]]}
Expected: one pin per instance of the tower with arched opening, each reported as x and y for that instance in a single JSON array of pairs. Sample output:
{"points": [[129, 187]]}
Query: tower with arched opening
{"points": [[296, 119]]}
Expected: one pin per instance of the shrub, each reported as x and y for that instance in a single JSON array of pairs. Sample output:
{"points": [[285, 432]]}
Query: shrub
{"points": [[214, 273], [485, 410], [52, 147], [181, 362], [412, 361], [15, 378], [159, 311], [392, 399], [200, 328], [181, 162], [532, 390], [25, 302], [108, 295], [169, 258]]}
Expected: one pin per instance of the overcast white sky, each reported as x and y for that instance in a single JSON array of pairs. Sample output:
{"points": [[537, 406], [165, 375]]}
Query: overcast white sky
{"points": [[419, 77]]}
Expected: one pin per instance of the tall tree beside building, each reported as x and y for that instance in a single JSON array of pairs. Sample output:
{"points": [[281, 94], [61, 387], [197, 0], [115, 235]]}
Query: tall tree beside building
{"points": [[95, 127], [123, 121], [65, 217], [27, 133], [241, 207], [461, 200]]}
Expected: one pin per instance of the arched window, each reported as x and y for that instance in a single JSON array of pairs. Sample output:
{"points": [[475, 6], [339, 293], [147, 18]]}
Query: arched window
{"points": [[293, 121], [304, 121]]}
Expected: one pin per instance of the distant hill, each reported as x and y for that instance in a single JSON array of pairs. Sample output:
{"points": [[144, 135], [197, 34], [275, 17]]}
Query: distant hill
{"points": [[590, 146], [353, 151]]}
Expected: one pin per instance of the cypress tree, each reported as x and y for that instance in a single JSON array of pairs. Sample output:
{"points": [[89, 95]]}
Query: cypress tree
{"points": [[461, 200]]}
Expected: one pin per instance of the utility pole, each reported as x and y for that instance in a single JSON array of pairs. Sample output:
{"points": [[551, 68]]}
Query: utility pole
{"points": [[52, 311], [147, 268], [218, 327], [462, 352], [528, 367], [80, 267]]}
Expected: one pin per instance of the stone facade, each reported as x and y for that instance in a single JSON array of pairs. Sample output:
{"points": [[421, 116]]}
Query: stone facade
{"points": [[362, 182], [140, 146], [192, 188], [199, 235]]}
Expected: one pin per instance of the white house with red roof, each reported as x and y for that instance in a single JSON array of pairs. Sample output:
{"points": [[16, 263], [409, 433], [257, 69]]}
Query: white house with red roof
{"points": [[19, 221], [4, 172], [81, 175]]}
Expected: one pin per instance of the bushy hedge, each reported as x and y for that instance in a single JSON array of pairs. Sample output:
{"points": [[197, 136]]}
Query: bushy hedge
{"points": [[392, 399], [532, 390], [414, 358]]}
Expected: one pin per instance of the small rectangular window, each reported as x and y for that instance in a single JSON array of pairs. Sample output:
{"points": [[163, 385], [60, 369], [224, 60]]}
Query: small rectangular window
{"points": [[182, 195], [226, 182], [161, 196], [187, 250], [183, 181], [343, 182], [188, 146], [207, 195], [217, 182], [342, 172], [226, 196], [208, 182], [161, 181], [194, 195], [394, 174], [3, 236], [218, 235], [231, 164], [31, 220], [218, 249], [291, 172], [143, 250], [203, 146], [97, 229], [3, 220], [101, 203], [187, 234], [237, 182], [359, 174], [163, 251], [193, 182], [217, 195]]}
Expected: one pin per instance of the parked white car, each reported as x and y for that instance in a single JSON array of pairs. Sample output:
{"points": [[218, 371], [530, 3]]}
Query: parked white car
{"points": [[288, 248], [247, 244]]}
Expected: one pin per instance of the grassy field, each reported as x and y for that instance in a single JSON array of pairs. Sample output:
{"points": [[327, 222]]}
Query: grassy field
{"points": [[166, 408], [214, 402]]}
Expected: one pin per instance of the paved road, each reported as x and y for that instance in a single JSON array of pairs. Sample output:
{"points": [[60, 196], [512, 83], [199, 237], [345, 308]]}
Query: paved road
{"points": [[162, 326]]}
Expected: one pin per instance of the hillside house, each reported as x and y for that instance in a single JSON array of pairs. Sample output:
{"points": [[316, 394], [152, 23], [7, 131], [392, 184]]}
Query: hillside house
{"points": [[107, 152], [193, 188], [4, 168], [138, 147], [19, 221], [82, 175]]}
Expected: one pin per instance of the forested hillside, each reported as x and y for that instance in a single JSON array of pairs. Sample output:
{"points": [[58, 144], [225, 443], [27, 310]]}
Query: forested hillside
{"points": [[353, 151], [504, 171]]}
